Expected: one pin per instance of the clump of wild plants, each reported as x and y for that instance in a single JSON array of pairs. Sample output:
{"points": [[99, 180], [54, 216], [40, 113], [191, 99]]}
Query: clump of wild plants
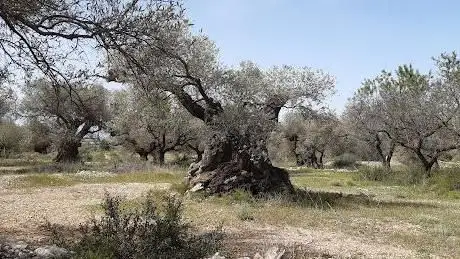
{"points": [[149, 232], [374, 173], [345, 160]]}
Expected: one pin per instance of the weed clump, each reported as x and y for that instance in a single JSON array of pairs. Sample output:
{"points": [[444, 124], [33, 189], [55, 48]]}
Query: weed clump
{"points": [[373, 173], [150, 232], [346, 160], [402, 176]]}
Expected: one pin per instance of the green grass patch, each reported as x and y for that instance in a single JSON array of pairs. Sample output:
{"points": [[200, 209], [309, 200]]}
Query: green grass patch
{"points": [[42, 180], [324, 179], [56, 180], [141, 177]]}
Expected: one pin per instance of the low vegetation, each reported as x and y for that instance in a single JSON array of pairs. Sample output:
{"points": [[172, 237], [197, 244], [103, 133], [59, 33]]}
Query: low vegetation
{"points": [[150, 231], [362, 204]]}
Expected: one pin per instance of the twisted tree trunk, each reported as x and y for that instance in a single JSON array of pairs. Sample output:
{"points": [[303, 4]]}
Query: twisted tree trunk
{"points": [[227, 165], [231, 160]]}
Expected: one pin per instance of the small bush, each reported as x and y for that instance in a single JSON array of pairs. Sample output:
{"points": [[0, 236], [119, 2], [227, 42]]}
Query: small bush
{"points": [[373, 173], [150, 232], [346, 160], [245, 213], [401, 176], [446, 182], [242, 196], [105, 145], [11, 137]]}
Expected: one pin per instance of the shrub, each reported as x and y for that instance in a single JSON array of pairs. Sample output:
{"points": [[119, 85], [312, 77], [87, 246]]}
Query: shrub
{"points": [[146, 233], [345, 160], [245, 213], [105, 145], [402, 176], [373, 173], [11, 137], [446, 182]]}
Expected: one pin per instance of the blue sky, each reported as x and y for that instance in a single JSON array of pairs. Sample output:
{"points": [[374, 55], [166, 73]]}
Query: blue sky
{"points": [[350, 39]]}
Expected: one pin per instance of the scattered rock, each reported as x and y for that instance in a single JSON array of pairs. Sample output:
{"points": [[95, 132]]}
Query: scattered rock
{"points": [[274, 253], [216, 256], [19, 250], [197, 187], [51, 252], [20, 246], [87, 173]]}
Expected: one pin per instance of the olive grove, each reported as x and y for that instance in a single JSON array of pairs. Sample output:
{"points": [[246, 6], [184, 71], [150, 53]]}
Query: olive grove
{"points": [[150, 124], [416, 111]]}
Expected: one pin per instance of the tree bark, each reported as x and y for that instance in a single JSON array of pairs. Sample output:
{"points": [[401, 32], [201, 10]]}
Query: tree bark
{"points": [[227, 166], [232, 162], [68, 151], [298, 157], [386, 159], [320, 163], [144, 155], [427, 164], [160, 156]]}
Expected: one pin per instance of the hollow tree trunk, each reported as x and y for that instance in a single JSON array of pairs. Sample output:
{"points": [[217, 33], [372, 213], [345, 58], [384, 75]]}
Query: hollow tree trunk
{"points": [[68, 151], [226, 166]]}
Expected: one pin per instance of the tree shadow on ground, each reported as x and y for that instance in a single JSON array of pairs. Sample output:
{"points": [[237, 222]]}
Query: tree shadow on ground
{"points": [[330, 199]]}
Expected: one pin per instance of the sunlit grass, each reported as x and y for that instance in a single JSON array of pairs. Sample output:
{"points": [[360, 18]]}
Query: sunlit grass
{"points": [[57, 180], [42, 180]]}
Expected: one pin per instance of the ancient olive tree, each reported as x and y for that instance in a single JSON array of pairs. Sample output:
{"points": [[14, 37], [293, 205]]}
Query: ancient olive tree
{"points": [[150, 124], [421, 111], [70, 116], [363, 120], [240, 105]]}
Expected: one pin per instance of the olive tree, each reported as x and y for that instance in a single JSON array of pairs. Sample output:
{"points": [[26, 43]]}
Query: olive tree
{"points": [[150, 123], [40, 136], [70, 116], [363, 120], [11, 138], [421, 111], [311, 136], [240, 105], [7, 100]]}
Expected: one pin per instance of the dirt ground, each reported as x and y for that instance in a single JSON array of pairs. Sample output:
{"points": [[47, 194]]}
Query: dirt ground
{"points": [[24, 211]]}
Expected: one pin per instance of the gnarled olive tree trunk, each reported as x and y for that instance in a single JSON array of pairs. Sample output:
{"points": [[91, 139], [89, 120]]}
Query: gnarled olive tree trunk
{"points": [[228, 165], [233, 160]]}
